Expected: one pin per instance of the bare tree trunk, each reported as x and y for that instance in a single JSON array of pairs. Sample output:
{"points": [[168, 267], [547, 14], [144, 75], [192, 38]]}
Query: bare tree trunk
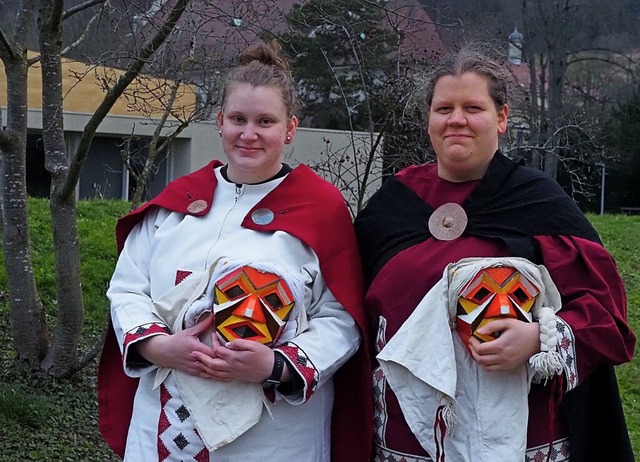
{"points": [[29, 327], [542, 116], [26, 313], [557, 70], [61, 357]]}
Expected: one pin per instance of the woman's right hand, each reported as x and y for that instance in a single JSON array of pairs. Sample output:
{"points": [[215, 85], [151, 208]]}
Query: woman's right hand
{"points": [[176, 350], [518, 341]]}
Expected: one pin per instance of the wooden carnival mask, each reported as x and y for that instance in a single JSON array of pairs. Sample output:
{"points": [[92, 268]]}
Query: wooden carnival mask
{"points": [[493, 293], [252, 305]]}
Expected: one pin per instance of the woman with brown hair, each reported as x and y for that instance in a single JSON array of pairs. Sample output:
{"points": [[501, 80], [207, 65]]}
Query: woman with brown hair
{"points": [[498, 313], [240, 316]]}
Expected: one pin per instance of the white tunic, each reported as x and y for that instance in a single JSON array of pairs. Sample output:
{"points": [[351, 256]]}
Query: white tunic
{"points": [[167, 243]]}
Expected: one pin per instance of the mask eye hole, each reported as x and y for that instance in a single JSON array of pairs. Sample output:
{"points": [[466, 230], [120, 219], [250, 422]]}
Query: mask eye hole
{"points": [[521, 295], [274, 301], [480, 295], [234, 292]]}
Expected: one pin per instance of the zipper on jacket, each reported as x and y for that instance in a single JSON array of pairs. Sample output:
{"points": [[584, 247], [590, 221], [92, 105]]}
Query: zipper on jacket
{"points": [[238, 192]]}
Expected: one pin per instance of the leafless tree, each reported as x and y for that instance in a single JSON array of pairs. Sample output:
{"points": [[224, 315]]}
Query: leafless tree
{"points": [[370, 74], [203, 45], [565, 55], [580, 60], [53, 352], [158, 99]]}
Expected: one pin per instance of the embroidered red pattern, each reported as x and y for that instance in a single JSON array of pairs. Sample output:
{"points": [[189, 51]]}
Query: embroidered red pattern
{"points": [[304, 366], [144, 331], [181, 275]]}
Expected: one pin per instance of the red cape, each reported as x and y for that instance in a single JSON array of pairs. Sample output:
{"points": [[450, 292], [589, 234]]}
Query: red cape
{"points": [[308, 208]]}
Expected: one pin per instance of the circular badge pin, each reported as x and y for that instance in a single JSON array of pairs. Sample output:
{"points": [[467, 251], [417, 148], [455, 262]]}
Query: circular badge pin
{"points": [[448, 222], [262, 216], [197, 206]]}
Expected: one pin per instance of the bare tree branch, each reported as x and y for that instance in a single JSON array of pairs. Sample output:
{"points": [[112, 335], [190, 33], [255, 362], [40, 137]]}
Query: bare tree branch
{"points": [[94, 351], [87, 28], [175, 85], [57, 8], [5, 49], [24, 15], [133, 70], [78, 8]]}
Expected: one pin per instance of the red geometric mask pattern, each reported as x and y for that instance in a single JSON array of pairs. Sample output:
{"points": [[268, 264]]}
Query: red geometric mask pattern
{"points": [[493, 293], [252, 304]]}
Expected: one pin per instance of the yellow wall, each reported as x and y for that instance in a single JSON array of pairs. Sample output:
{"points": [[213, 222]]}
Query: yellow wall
{"points": [[86, 94]]}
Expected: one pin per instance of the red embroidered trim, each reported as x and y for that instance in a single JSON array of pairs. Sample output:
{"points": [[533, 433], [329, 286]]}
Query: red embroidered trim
{"points": [[439, 433], [202, 456], [163, 423], [303, 365], [181, 275], [144, 331]]}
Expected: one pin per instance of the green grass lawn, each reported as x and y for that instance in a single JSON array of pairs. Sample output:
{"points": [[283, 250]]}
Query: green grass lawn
{"points": [[44, 419], [621, 235]]}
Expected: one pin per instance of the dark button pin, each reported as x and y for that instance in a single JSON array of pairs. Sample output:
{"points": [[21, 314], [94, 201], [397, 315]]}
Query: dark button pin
{"points": [[448, 222], [262, 216], [197, 206]]}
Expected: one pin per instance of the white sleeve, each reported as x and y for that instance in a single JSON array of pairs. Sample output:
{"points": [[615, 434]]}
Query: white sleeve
{"points": [[331, 338], [129, 294]]}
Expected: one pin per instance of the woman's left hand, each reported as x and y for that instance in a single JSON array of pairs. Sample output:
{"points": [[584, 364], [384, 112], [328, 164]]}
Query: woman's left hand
{"points": [[517, 342], [240, 359]]}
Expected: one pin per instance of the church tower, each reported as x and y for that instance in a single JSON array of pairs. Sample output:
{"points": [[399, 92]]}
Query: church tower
{"points": [[515, 47]]}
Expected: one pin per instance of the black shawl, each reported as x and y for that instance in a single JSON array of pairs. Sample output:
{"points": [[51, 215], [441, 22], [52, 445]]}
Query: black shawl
{"points": [[512, 203]]}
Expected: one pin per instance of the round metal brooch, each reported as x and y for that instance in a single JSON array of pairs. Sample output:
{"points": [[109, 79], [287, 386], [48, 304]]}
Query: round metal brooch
{"points": [[197, 206], [262, 216], [448, 222]]}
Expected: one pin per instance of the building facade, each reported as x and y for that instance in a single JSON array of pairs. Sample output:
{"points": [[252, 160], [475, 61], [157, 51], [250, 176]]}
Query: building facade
{"points": [[126, 130]]}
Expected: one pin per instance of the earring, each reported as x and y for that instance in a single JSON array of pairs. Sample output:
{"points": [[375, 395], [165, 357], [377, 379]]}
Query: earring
{"points": [[220, 133], [287, 139]]}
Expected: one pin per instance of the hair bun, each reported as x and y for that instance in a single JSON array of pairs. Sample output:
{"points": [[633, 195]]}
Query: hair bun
{"points": [[262, 64], [265, 53]]}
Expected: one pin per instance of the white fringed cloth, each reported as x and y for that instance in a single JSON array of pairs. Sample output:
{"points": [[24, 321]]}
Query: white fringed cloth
{"points": [[452, 405]]}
